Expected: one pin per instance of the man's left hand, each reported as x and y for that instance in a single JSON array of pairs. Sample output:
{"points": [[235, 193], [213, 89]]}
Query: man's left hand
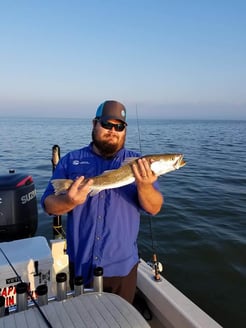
{"points": [[143, 173]]}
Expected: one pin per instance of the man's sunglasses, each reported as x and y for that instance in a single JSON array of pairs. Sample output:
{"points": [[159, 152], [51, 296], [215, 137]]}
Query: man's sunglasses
{"points": [[119, 127]]}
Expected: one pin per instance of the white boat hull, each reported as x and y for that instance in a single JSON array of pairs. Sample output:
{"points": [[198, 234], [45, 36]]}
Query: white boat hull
{"points": [[170, 308]]}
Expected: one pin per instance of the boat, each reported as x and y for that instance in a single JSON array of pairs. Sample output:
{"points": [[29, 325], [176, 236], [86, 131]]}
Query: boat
{"points": [[35, 260]]}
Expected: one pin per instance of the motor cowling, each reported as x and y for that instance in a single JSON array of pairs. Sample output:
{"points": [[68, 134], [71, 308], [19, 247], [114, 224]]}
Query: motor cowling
{"points": [[18, 206]]}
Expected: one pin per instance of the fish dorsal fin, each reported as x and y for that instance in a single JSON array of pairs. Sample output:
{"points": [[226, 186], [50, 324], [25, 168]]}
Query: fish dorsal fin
{"points": [[129, 160], [126, 161], [106, 172]]}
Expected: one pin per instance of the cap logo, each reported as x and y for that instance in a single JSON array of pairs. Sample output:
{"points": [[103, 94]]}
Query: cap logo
{"points": [[123, 114]]}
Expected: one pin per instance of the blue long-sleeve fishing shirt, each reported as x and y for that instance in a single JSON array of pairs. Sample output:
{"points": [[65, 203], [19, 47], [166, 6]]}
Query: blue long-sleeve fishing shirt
{"points": [[103, 231]]}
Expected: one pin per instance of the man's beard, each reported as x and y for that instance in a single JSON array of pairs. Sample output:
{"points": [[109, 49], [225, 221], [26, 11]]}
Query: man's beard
{"points": [[105, 148]]}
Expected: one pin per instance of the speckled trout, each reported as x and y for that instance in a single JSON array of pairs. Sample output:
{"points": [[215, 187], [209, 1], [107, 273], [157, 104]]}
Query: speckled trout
{"points": [[160, 164]]}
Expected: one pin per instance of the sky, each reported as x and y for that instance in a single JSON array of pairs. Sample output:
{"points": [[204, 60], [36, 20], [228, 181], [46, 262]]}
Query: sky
{"points": [[161, 58]]}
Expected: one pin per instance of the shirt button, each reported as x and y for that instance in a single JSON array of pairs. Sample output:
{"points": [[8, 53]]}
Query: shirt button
{"points": [[95, 257], [98, 238], [99, 217]]}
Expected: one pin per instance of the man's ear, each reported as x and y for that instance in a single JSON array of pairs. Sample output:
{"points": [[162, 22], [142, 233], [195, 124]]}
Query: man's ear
{"points": [[94, 122]]}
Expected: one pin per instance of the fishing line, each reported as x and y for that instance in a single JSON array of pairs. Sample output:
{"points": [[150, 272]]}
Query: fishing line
{"points": [[28, 292], [140, 148], [139, 136], [151, 234]]}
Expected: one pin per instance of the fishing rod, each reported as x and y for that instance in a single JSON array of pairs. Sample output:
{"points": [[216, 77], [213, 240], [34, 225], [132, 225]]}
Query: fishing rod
{"points": [[139, 135], [28, 291], [157, 266], [57, 219]]}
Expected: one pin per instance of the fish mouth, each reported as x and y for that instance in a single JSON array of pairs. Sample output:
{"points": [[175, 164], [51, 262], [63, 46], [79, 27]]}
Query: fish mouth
{"points": [[180, 162]]}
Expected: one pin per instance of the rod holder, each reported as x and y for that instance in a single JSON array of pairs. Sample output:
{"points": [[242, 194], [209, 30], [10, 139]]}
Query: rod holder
{"points": [[98, 280], [21, 296], [2, 306], [78, 285], [42, 294], [61, 284]]}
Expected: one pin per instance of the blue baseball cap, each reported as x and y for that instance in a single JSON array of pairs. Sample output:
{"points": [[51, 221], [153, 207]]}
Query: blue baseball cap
{"points": [[111, 109]]}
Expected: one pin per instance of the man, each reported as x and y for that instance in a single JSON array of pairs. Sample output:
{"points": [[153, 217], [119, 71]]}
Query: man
{"points": [[102, 230]]}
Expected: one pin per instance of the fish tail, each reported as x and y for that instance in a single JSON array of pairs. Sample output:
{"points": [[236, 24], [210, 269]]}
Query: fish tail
{"points": [[61, 185]]}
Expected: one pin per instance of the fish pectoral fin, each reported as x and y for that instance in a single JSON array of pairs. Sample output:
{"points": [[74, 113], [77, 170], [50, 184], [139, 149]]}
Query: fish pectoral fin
{"points": [[94, 192]]}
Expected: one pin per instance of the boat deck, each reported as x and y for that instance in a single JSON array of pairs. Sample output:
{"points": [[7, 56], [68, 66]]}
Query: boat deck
{"points": [[87, 310]]}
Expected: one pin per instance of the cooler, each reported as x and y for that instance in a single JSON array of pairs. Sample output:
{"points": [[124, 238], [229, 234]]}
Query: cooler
{"points": [[31, 259]]}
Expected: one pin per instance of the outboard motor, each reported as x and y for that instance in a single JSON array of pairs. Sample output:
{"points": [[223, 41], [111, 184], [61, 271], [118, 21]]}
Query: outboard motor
{"points": [[18, 206]]}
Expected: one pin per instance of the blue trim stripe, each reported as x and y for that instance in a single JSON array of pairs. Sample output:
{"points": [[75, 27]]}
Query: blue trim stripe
{"points": [[100, 110]]}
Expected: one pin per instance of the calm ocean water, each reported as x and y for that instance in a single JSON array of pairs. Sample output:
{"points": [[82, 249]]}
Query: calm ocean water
{"points": [[200, 234]]}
